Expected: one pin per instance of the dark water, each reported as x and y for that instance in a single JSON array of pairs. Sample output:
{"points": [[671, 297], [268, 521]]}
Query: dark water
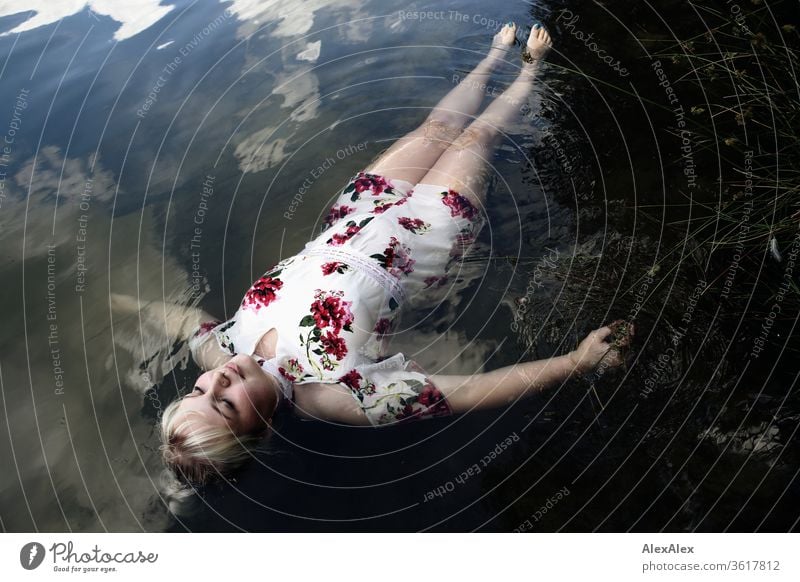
{"points": [[118, 122]]}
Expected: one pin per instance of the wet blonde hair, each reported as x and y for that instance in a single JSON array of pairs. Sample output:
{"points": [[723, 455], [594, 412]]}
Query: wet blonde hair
{"points": [[196, 452]]}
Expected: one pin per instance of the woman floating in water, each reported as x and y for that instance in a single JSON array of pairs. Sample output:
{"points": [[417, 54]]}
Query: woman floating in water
{"points": [[310, 334]]}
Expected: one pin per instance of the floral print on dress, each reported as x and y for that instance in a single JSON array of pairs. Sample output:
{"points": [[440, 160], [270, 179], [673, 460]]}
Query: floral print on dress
{"points": [[383, 326], [366, 195], [402, 391], [206, 327], [415, 225], [202, 334], [353, 380], [369, 185], [334, 345], [264, 290], [413, 400], [329, 310], [337, 212], [396, 258], [381, 206], [292, 371], [352, 229], [459, 205], [429, 402], [262, 293], [334, 267], [320, 343], [223, 337], [330, 315]]}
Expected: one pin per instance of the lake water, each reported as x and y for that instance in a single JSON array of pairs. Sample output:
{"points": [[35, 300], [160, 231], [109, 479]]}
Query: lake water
{"points": [[175, 151]]}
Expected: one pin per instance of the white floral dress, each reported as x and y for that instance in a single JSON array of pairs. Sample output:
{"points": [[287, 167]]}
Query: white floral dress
{"points": [[385, 242]]}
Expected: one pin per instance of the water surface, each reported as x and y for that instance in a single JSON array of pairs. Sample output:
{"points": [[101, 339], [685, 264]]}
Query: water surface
{"points": [[173, 152]]}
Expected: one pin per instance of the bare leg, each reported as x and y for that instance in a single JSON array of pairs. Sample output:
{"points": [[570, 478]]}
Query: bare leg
{"points": [[465, 165], [412, 155]]}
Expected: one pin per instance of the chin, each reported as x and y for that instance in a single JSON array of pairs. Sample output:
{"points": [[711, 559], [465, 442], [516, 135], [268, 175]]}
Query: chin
{"points": [[245, 362], [251, 369]]}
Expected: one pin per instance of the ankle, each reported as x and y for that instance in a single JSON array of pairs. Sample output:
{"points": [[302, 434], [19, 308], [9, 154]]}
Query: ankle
{"points": [[528, 70], [497, 53]]}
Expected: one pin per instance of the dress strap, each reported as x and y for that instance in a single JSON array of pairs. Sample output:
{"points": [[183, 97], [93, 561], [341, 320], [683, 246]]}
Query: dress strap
{"points": [[363, 263]]}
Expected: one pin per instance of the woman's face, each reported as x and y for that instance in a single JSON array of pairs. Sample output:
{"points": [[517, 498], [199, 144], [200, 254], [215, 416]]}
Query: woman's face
{"points": [[238, 394]]}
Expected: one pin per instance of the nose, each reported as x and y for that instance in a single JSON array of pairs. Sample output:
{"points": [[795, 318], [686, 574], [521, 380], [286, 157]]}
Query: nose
{"points": [[219, 382]]}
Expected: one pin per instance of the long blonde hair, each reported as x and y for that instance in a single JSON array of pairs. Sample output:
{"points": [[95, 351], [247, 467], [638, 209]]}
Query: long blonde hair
{"points": [[197, 453]]}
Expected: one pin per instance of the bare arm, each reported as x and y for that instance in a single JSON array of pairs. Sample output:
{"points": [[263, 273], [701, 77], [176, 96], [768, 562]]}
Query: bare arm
{"points": [[501, 387], [335, 403], [175, 321], [328, 402], [505, 385]]}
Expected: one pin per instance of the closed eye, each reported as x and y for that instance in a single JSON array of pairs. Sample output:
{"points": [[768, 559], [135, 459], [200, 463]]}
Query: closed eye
{"points": [[225, 400]]}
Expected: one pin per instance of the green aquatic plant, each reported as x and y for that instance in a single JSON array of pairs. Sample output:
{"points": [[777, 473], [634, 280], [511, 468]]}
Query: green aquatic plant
{"points": [[741, 74]]}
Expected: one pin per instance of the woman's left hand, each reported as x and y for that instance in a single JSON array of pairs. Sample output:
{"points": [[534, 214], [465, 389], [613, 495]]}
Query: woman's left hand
{"points": [[594, 348]]}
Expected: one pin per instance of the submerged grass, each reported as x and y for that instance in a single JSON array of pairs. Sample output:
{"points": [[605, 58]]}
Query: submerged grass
{"points": [[702, 420], [742, 75]]}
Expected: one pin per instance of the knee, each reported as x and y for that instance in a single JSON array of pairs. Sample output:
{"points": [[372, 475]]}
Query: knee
{"points": [[438, 128], [475, 135]]}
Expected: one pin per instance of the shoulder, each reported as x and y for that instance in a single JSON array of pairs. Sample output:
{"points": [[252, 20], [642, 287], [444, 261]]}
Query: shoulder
{"points": [[332, 402], [205, 346]]}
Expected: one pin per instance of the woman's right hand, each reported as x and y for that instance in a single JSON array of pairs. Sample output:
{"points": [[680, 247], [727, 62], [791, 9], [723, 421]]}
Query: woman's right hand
{"points": [[595, 348]]}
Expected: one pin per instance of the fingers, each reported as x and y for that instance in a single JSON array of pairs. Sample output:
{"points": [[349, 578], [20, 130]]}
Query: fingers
{"points": [[623, 332], [621, 340], [612, 357], [602, 333], [598, 342]]}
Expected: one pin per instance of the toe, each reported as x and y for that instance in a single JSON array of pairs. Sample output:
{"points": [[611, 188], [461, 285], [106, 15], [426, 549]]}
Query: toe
{"points": [[510, 31], [538, 43], [539, 35], [506, 34]]}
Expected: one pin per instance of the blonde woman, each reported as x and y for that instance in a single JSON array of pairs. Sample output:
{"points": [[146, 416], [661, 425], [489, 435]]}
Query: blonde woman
{"points": [[310, 333]]}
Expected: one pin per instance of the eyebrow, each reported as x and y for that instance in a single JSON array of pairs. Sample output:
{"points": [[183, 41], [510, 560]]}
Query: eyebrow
{"points": [[216, 409]]}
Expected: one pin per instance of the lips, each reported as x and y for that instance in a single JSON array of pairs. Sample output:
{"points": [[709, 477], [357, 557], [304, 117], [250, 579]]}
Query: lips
{"points": [[235, 368]]}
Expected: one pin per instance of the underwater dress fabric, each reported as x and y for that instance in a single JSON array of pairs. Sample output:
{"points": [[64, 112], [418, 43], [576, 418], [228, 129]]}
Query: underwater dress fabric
{"points": [[385, 244]]}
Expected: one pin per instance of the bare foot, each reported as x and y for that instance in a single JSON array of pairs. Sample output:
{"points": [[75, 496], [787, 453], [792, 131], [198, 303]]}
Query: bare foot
{"points": [[539, 43], [502, 41], [506, 35]]}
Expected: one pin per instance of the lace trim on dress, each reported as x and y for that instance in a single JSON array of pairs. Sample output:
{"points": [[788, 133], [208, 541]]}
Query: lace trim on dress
{"points": [[363, 263]]}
